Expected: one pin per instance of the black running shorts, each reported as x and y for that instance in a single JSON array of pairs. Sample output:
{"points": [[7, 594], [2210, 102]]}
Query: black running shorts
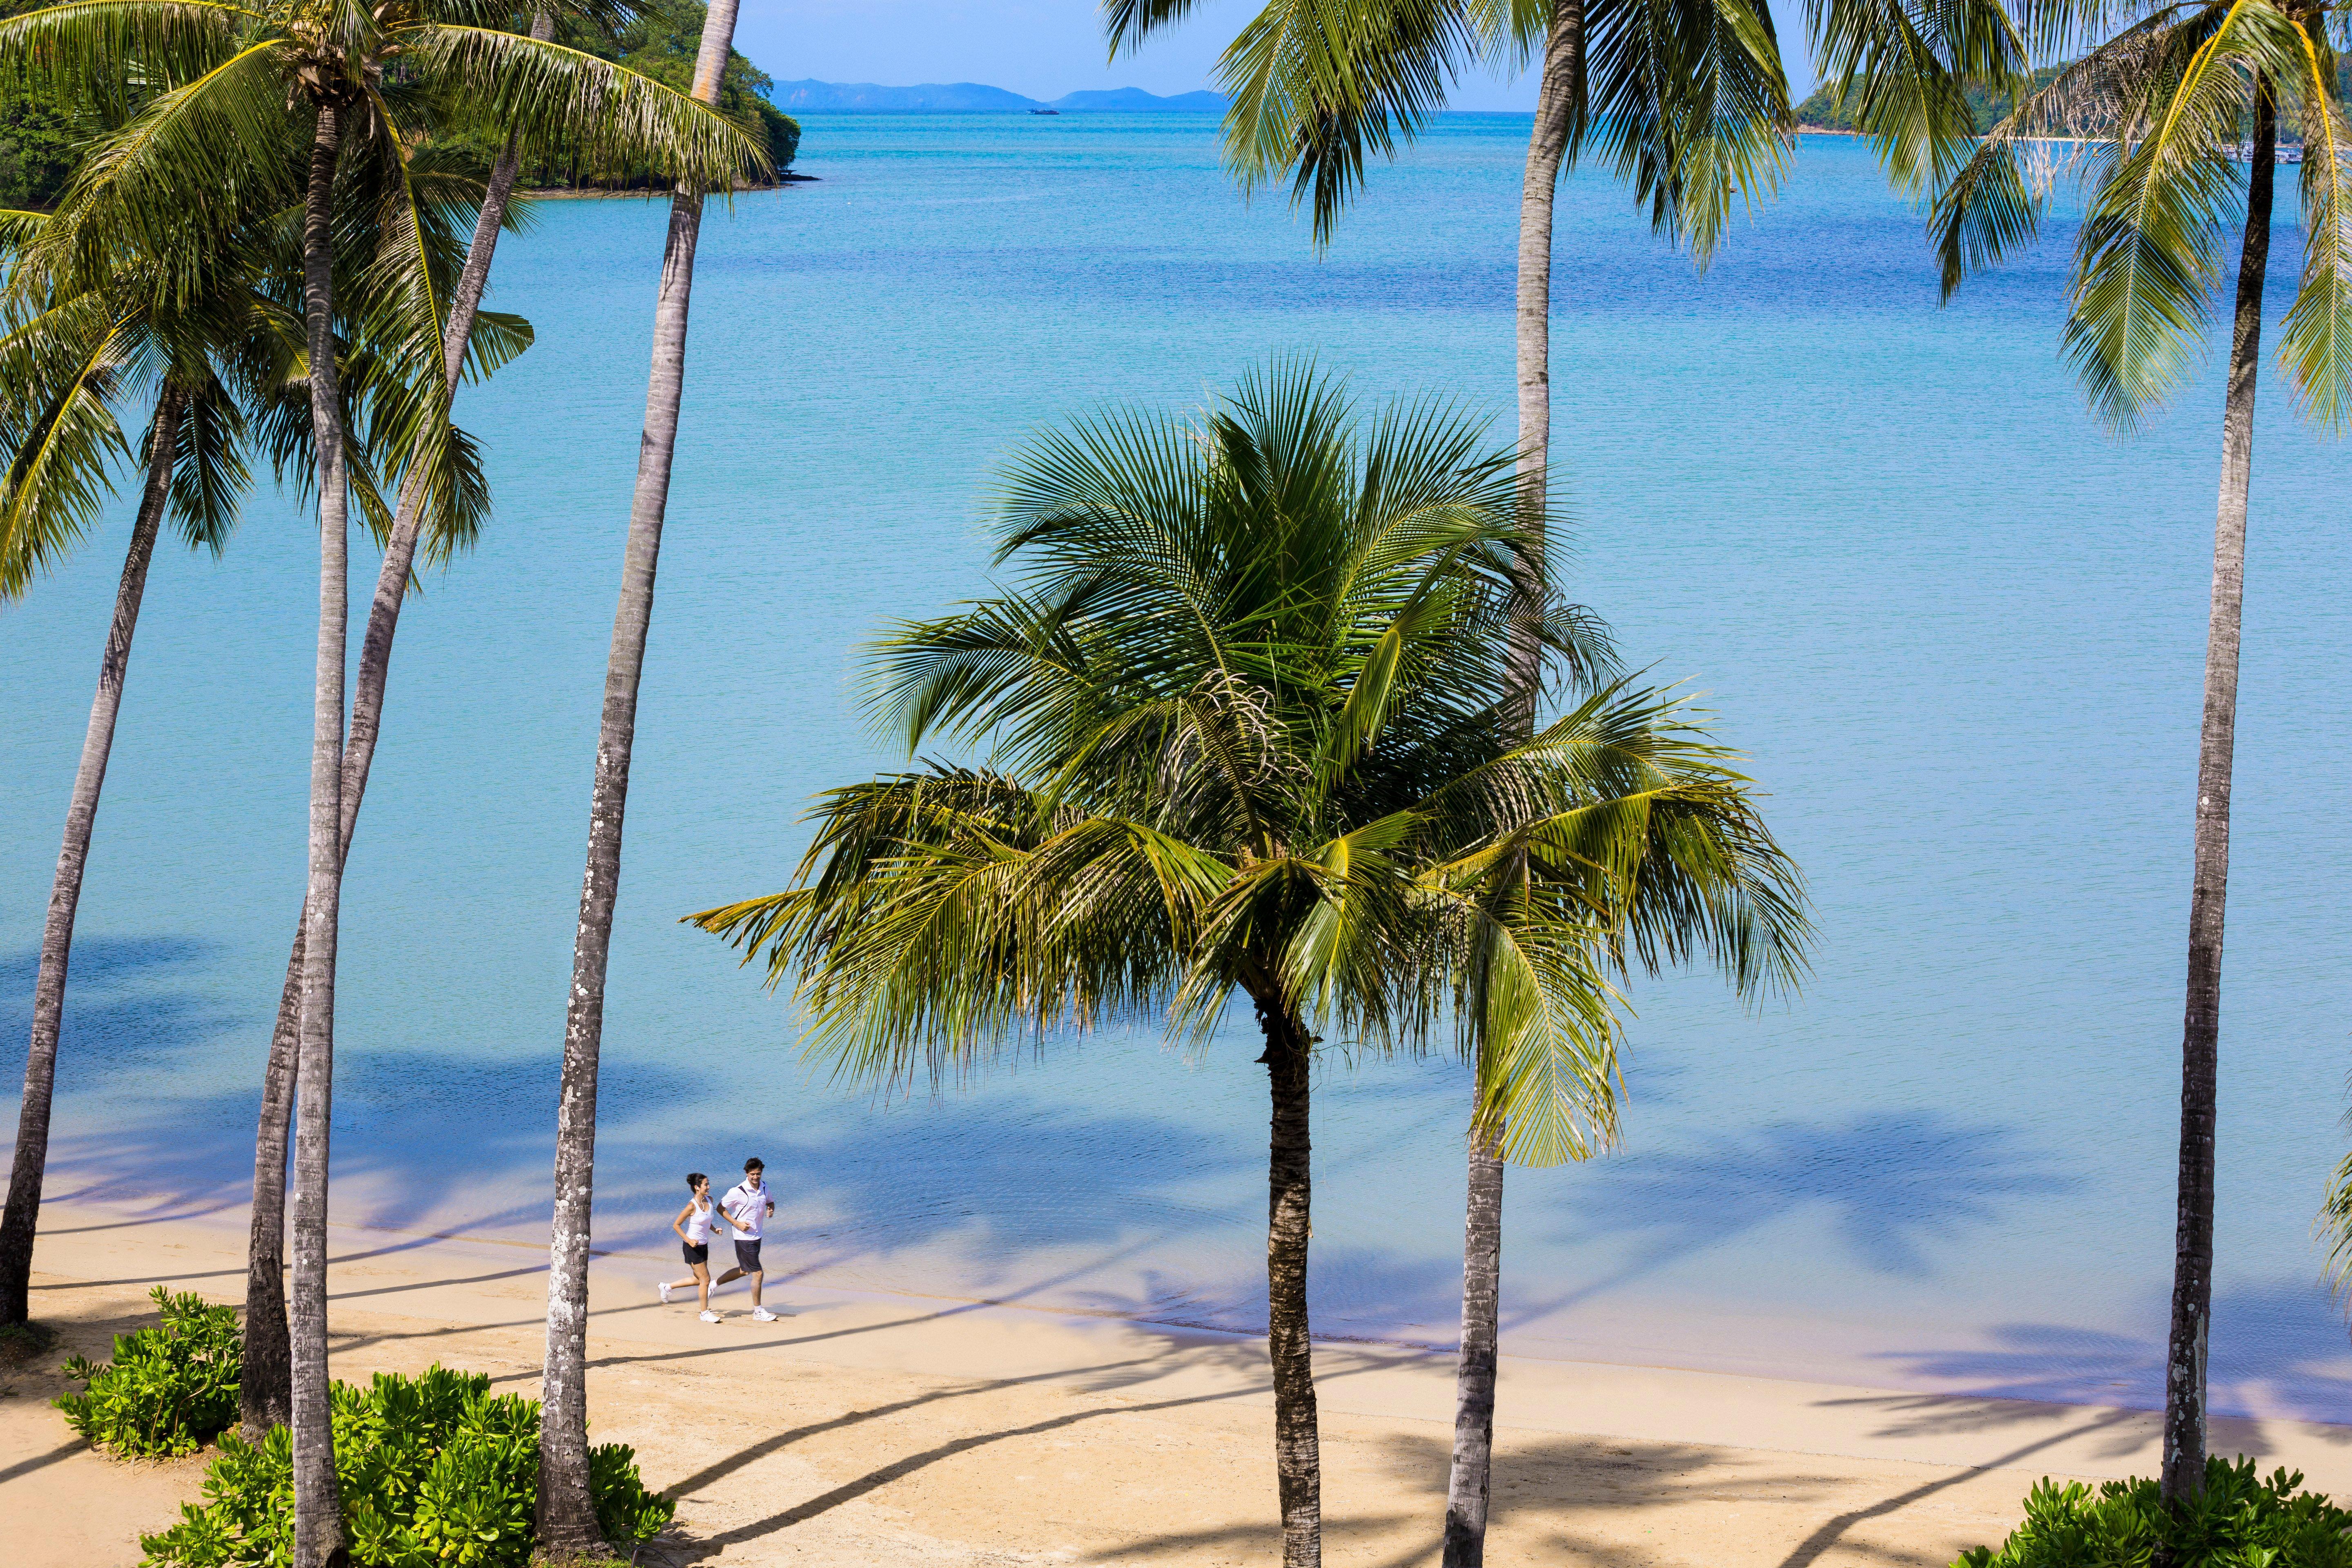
{"points": [[696, 1254], [747, 1257]]}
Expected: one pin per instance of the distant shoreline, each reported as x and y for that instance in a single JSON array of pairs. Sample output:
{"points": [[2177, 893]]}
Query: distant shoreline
{"points": [[578, 194]]}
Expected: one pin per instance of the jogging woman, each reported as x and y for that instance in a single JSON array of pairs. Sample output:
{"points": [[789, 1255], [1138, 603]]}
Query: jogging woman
{"points": [[694, 1224]]}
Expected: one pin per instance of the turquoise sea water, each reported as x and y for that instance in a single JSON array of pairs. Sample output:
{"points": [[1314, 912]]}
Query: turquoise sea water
{"points": [[1958, 628]]}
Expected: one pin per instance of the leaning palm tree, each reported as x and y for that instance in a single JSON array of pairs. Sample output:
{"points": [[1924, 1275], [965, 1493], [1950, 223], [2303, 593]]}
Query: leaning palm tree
{"points": [[200, 331], [2172, 104], [1251, 706], [220, 317], [567, 1510], [226, 83], [72, 369]]}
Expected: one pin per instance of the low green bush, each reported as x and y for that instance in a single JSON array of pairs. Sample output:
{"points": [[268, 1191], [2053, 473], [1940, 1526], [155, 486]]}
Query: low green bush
{"points": [[169, 1390], [2242, 1520], [434, 1471]]}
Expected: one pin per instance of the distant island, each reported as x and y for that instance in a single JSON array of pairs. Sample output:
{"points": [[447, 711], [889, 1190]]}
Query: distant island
{"points": [[1823, 112], [975, 98]]}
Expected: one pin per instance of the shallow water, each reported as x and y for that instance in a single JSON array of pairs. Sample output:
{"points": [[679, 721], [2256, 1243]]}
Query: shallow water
{"points": [[1958, 630]]}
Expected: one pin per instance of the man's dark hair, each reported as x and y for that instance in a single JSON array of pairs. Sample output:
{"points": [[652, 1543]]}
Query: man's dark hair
{"points": [[755, 1163], [695, 1179]]}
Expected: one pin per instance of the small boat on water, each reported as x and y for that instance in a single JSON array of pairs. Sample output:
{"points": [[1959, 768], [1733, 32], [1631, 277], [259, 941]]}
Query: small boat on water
{"points": [[1045, 112]]}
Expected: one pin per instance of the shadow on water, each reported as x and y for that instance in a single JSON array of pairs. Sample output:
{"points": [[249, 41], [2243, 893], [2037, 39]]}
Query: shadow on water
{"points": [[132, 1005], [1009, 1186], [2276, 1350], [1891, 1183], [96, 961]]}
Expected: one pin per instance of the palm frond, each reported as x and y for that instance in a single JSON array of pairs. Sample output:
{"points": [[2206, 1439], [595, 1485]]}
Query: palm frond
{"points": [[59, 433], [552, 99], [1246, 698], [1902, 71], [2316, 345], [2147, 256], [1318, 86]]}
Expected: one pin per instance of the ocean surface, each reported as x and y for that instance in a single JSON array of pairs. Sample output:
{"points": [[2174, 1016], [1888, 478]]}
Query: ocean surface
{"points": [[1957, 628]]}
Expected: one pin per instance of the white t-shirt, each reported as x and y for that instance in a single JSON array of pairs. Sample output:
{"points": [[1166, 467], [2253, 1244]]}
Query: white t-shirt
{"points": [[748, 1206]]}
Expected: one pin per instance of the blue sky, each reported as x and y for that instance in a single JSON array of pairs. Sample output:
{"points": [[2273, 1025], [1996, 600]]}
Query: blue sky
{"points": [[1043, 47]]}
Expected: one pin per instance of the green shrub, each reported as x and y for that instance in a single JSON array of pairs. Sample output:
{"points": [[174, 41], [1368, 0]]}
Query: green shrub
{"points": [[169, 1390], [2241, 1522], [435, 1471]]}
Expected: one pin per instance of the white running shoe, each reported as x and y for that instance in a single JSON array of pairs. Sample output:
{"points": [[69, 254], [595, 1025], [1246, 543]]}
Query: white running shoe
{"points": [[665, 1290], [709, 1317], [762, 1315]]}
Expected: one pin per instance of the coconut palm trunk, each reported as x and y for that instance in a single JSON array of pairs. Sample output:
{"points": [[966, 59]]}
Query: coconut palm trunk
{"points": [[318, 1511], [22, 1218], [1555, 121], [1297, 1452], [1468, 1486], [265, 1389], [2193, 1266], [567, 1511], [1470, 1482]]}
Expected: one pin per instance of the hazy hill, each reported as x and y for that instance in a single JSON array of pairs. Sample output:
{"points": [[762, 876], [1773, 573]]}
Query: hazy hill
{"points": [[1134, 100], [972, 97]]}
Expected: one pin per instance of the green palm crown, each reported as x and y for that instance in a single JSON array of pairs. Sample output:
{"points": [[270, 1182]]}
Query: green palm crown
{"points": [[1246, 703]]}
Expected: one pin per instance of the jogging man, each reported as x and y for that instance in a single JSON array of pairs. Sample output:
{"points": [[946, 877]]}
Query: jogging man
{"points": [[749, 1204]]}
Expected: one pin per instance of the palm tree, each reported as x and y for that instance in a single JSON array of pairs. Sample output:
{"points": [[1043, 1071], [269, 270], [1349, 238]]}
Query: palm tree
{"points": [[265, 1389], [241, 315], [200, 330], [2174, 100], [1253, 713], [1689, 103], [567, 1510], [382, 80], [68, 368]]}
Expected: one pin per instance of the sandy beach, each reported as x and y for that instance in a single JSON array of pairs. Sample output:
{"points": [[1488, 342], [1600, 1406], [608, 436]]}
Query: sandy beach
{"points": [[865, 1428]]}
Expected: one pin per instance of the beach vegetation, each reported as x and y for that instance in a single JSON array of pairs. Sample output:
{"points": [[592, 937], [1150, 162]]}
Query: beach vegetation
{"points": [[1247, 710], [436, 514], [2172, 124], [568, 1522], [2239, 1518], [435, 1471], [169, 1389]]}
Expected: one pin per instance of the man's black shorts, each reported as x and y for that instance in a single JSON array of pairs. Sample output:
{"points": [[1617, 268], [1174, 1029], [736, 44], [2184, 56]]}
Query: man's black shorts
{"points": [[696, 1254], [747, 1257]]}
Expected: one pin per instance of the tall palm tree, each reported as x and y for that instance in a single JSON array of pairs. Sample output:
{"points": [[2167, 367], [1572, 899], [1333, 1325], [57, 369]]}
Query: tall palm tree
{"points": [[567, 1510], [265, 1388], [225, 301], [70, 366], [199, 329], [2174, 99], [380, 80], [1689, 104], [1252, 708]]}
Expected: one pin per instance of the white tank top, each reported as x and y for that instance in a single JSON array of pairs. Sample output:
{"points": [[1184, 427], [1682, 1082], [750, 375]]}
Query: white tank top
{"points": [[697, 1224]]}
